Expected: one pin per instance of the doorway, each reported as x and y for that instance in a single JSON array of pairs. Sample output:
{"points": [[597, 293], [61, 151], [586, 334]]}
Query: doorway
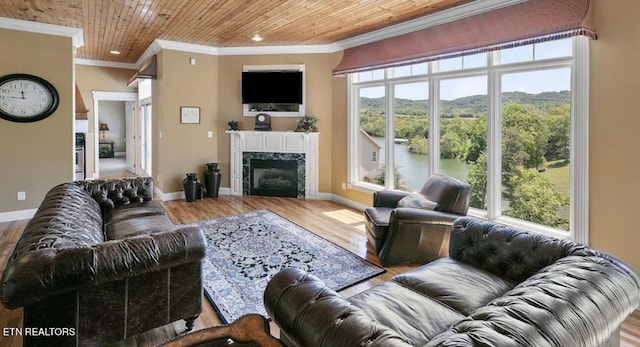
{"points": [[115, 128]]}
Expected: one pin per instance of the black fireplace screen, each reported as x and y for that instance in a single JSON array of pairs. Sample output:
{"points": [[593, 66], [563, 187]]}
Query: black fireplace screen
{"points": [[274, 177]]}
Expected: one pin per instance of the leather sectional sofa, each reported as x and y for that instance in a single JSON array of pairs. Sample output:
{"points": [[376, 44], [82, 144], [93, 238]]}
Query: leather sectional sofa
{"points": [[499, 287], [101, 261]]}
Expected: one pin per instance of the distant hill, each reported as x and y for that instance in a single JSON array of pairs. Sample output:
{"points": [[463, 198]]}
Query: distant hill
{"points": [[470, 106]]}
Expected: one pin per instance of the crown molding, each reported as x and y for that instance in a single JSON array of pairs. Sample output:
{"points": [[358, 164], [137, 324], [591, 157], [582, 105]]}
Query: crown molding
{"points": [[103, 63], [76, 35], [438, 18], [262, 50]]}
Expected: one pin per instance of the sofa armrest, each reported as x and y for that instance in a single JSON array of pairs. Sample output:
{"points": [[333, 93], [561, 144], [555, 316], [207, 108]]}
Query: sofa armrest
{"points": [[388, 198], [422, 216], [576, 301], [47, 272], [310, 314]]}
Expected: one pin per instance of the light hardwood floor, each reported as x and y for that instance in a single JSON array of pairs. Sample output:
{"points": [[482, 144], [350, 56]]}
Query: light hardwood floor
{"points": [[336, 223]]}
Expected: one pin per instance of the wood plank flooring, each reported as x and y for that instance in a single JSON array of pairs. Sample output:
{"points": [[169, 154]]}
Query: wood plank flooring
{"points": [[334, 222]]}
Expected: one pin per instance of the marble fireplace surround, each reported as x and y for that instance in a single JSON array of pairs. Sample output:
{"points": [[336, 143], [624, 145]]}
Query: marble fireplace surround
{"points": [[246, 145]]}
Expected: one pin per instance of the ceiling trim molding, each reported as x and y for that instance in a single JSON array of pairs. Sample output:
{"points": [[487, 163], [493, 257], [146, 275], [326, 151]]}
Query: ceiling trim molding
{"points": [[438, 18], [76, 35], [104, 63], [261, 50]]}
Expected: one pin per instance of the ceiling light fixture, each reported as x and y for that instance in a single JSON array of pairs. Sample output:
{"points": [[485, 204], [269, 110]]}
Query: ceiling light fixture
{"points": [[257, 38], [114, 52]]}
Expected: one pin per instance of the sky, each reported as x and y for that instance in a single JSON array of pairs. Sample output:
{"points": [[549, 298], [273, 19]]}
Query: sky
{"points": [[534, 82]]}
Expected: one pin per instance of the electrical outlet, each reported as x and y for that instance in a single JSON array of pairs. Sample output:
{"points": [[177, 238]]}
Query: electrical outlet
{"points": [[22, 195], [344, 185], [210, 134]]}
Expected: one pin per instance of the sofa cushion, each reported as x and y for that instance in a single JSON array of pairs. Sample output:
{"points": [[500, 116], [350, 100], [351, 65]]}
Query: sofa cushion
{"points": [[133, 210], [145, 225], [453, 283], [412, 315]]}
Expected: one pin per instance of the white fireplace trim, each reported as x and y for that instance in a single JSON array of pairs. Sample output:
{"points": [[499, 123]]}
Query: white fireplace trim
{"points": [[275, 142]]}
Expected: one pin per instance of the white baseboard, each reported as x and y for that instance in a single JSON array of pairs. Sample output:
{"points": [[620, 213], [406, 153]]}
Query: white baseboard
{"points": [[180, 195], [17, 215]]}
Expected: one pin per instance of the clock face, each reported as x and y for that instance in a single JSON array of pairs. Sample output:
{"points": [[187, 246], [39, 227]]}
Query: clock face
{"points": [[261, 118], [26, 98]]}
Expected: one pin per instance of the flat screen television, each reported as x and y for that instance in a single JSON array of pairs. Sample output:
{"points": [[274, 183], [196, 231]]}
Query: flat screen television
{"points": [[272, 87]]}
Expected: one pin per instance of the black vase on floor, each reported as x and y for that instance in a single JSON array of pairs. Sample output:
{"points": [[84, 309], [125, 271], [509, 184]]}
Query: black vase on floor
{"points": [[212, 178], [191, 187]]}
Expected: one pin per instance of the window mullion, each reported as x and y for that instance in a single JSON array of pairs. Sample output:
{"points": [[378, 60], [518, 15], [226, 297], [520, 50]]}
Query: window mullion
{"points": [[434, 125], [389, 138], [579, 169], [494, 146]]}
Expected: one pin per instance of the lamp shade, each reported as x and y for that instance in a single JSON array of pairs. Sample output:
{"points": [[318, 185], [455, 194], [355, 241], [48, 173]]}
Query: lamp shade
{"points": [[104, 126]]}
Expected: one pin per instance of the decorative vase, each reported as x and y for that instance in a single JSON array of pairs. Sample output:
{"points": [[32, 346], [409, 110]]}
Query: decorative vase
{"points": [[191, 187], [212, 178]]}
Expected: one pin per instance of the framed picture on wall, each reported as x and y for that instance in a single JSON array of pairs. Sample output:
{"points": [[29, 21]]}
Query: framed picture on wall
{"points": [[189, 115]]}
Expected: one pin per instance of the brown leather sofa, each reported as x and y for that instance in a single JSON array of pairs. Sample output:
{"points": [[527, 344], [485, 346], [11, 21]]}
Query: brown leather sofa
{"points": [[101, 261], [499, 287], [411, 235]]}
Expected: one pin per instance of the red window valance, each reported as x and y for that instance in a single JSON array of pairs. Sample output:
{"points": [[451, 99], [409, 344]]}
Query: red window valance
{"points": [[520, 24]]}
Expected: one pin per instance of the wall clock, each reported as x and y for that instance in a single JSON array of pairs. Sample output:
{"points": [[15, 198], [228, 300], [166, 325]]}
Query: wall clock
{"points": [[26, 98]]}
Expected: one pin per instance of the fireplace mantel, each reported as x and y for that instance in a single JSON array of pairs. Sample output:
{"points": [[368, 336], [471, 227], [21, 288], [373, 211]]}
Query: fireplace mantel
{"points": [[275, 142]]}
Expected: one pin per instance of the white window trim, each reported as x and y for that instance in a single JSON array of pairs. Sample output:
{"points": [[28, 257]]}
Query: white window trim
{"points": [[579, 148]]}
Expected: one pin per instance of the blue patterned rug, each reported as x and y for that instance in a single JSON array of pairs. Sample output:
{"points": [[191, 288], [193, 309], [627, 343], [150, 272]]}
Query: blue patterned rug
{"points": [[244, 251]]}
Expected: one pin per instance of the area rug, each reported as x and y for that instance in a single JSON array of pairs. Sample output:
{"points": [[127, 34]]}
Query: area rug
{"points": [[244, 251]]}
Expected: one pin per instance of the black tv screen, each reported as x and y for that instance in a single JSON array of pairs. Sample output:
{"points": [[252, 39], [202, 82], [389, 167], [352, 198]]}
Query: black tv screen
{"points": [[283, 87]]}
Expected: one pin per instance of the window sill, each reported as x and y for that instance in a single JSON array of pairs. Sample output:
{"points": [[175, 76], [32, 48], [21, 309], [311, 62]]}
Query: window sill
{"points": [[520, 224]]}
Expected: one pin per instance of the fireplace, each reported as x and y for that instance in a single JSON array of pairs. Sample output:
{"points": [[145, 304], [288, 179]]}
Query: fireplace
{"points": [[274, 178], [274, 174]]}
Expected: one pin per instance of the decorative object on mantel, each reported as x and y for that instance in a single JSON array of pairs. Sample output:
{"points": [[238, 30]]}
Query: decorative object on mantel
{"points": [[103, 128], [307, 124], [263, 122], [233, 125], [189, 115], [212, 177]]}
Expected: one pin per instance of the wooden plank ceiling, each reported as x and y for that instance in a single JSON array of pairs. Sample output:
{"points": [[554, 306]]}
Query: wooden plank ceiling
{"points": [[130, 26]]}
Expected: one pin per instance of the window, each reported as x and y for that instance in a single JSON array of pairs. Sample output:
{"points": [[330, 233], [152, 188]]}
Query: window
{"points": [[500, 121]]}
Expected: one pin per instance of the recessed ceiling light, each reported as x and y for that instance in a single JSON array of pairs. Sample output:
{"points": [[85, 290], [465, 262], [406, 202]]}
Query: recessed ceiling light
{"points": [[114, 52], [257, 38]]}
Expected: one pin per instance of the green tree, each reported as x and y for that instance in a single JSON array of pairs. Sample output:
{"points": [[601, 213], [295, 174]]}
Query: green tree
{"points": [[535, 199], [477, 179], [419, 145], [532, 132], [559, 125]]}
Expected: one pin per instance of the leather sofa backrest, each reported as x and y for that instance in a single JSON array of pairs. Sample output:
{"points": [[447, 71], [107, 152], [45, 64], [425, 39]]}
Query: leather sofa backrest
{"points": [[110, 193], [450, 194], [510, 253]]}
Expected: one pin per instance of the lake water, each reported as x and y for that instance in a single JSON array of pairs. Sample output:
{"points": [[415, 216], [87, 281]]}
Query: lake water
{"points": [[414, 168]]}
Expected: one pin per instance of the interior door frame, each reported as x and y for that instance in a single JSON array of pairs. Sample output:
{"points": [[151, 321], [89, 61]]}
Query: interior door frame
{"points": [[110, 96]]}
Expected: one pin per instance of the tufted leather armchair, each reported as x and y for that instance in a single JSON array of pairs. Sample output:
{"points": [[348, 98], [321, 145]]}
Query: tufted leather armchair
{"points": [[411, 235], [499, 286], [103, 259]]}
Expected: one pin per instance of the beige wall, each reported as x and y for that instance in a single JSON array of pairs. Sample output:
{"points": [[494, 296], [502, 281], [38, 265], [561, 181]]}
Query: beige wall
{"points": [[99, 79], [183, 148], [614, 187], [36, 156], [318, 102]]}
